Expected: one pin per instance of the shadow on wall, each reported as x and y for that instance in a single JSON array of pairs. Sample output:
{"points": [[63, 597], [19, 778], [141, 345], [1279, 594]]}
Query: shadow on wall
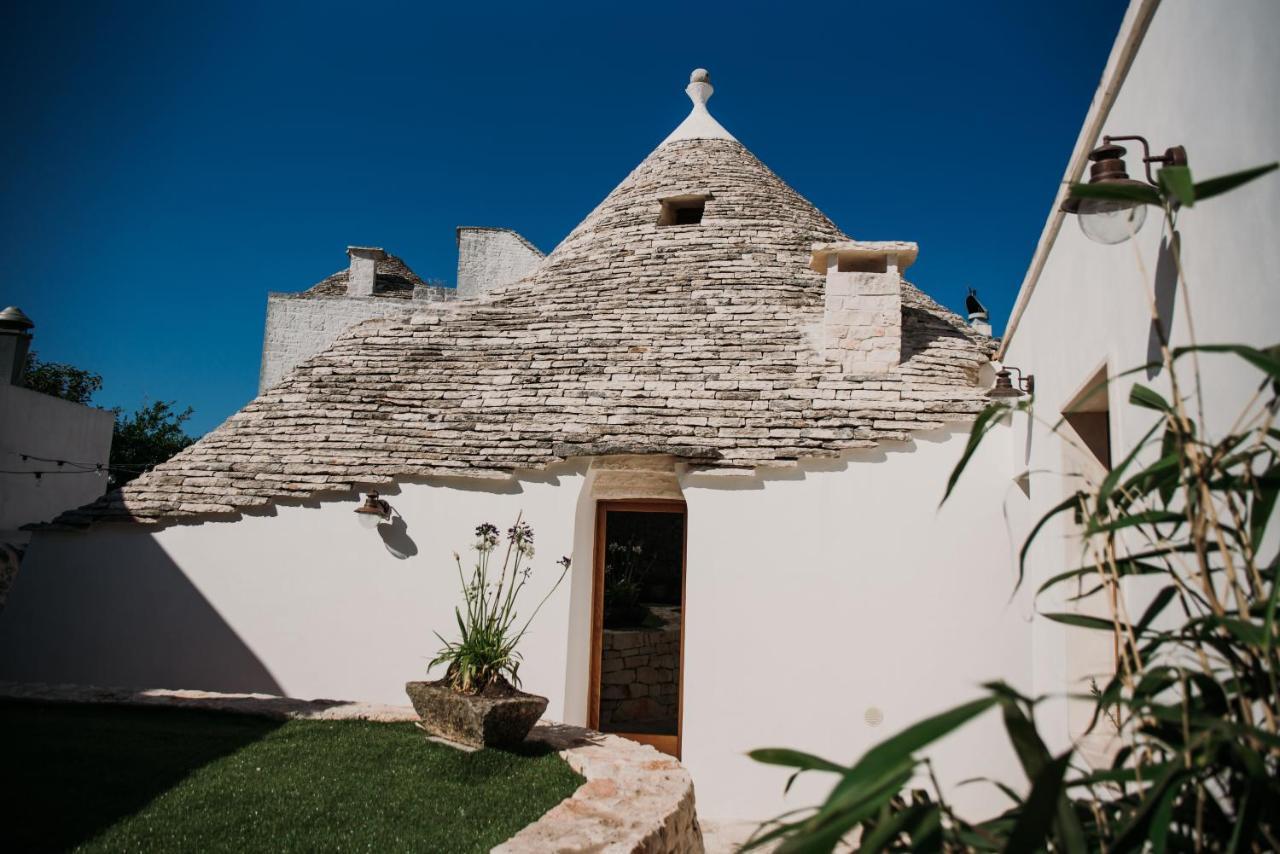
{"points": [[130, 619], [83, 768], [1165, 289], [395, 536]]}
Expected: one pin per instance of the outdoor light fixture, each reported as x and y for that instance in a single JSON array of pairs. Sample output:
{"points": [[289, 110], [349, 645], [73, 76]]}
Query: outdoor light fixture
{"points": [[374, 511], [1111, 221], [1005, 388]]}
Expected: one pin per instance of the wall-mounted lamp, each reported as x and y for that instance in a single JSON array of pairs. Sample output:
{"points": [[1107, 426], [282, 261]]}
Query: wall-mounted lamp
{"points": [[374, 511], [1005, 388], [1112, 221]]}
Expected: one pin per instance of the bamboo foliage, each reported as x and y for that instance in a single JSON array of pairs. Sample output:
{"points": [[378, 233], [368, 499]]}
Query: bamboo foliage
{"points": [[1185, 517]]}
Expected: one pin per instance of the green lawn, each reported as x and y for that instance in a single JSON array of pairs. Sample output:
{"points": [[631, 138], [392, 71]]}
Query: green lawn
{"points": [[96, 778]]}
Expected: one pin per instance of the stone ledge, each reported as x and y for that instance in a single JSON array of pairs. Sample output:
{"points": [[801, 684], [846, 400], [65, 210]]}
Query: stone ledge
{"points": [[635, 800]]}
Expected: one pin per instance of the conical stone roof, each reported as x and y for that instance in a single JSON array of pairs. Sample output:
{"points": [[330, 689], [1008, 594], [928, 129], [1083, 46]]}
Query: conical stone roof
{"points": [[690, 340]]}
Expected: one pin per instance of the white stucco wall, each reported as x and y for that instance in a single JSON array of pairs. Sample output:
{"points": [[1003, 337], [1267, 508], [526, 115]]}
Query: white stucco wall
{"points": [[815, 595], [492, 257], [812, 595], [1205, 76], [303, 602], [40, 425]]}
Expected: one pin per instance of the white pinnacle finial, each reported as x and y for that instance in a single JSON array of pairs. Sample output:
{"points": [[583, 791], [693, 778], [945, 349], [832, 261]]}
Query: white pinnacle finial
{"points": [[699, 124], [700, 89]]}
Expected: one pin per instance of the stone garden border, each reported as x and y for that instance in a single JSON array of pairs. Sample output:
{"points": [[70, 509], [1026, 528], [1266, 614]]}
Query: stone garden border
{"points": [[635, 800]]}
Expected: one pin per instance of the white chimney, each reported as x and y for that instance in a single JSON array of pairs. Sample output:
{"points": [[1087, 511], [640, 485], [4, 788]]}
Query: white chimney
{"points": [[364, 269], [862, 316]]}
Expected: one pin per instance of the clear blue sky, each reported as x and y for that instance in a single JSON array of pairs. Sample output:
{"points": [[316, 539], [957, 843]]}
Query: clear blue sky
{"points": [[165, 165]]}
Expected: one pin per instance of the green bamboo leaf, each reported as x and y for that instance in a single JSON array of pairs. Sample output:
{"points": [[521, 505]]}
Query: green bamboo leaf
{"points": [[1069, 503], [1113, 477], [1147, 517], [1034, 757], [1160, 822], [1224, 183], [889, 755], [1263, 361], [820, 834], [1153, 610], [1035, 819], [795, 759], [1140, 821], [1140, 395], [986, 419], [888, 830], [1116, 192], [1082, 621], [1176, 182]]}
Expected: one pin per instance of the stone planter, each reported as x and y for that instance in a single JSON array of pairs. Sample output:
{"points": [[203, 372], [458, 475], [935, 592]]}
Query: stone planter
{"points": [[475, 721]]}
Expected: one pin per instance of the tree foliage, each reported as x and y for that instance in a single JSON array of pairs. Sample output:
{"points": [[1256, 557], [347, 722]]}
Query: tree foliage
{"points": [[146, 438], [1193, 704], [60, 380]]}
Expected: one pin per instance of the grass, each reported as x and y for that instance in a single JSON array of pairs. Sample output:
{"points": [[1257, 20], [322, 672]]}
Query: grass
{"points": [[96, 778]]}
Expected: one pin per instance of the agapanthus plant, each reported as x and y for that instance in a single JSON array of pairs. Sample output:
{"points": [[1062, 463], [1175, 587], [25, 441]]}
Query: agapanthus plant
{"points": [[486, 654]]}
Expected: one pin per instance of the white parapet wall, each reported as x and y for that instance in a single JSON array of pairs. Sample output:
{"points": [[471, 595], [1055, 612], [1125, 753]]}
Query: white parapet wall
{"points": [[814, 596], [300, 326], [489, 258]]}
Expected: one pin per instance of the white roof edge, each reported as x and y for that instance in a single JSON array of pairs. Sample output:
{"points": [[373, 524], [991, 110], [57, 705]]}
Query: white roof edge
{"points": [[1132, 30]]}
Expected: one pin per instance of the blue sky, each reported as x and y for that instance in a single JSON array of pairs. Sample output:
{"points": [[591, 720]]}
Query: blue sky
{"points": [[166, 165]]}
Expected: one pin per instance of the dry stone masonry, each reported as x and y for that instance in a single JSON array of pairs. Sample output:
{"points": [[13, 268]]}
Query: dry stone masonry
{"points": [[639, 680], [299, 326], [694, 341]]}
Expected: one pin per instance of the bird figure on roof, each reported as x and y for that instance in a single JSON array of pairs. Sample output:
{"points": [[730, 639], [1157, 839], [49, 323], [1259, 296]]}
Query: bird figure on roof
{"points": [[971, 304]]}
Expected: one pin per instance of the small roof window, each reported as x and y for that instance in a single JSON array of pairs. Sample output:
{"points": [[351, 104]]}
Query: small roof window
{"points": [[682, 210]]}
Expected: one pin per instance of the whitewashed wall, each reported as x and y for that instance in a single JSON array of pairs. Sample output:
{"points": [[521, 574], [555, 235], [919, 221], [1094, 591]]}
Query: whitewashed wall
{"points": [[812, 595], [489, 258], [41, 425], [1205, 76], [298, 327], [304, 602], [817, 595]]}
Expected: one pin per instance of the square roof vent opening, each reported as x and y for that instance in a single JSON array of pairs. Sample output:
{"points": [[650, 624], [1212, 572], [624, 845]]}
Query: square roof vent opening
{"points": [[682, 210]]}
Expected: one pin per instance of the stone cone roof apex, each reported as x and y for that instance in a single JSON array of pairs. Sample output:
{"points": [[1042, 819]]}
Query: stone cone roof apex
{"points": [[699, 124]]}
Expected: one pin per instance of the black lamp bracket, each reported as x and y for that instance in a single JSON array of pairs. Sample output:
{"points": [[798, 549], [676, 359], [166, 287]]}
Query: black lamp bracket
{"points": [[1175, 156], [1025, 382]]}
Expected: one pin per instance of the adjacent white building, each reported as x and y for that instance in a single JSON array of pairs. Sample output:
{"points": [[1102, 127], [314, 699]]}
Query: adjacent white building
{"points": [[53, 453], [1202, 76]]}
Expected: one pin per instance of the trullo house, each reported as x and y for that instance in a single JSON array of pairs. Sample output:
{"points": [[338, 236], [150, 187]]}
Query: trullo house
{"points": [[735, 418]]}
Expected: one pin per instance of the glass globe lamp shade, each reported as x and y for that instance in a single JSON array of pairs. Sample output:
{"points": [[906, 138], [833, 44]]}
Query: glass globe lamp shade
{"points": [[1109, 221], [373, 512]]}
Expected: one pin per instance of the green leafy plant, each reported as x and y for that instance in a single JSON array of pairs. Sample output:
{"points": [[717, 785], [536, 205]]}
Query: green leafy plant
{"points": [[60, 380], [146, 438], [485, 655], [1193, 703], [626, 567]]}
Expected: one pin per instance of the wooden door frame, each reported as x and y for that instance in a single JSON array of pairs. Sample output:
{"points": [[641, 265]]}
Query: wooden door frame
{"points": [[663, 505]]}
